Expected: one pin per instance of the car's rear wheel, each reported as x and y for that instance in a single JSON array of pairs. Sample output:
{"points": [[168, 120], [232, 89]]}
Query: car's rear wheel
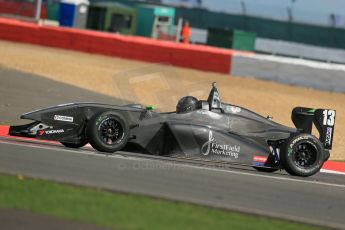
{"points": [[107, 132], [302, 155]]}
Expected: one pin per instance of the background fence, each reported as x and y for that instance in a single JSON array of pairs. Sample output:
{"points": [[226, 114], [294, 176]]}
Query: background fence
{"points": [[265, 28], [26, 9]]}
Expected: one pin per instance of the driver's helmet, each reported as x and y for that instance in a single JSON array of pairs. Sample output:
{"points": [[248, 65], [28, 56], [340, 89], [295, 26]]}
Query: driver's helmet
{"points": [[186, 104]]}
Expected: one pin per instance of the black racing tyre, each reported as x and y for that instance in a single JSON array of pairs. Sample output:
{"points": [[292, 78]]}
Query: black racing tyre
{"points": [[80, 144], [266, 170], [107, 132], [302, 155]]}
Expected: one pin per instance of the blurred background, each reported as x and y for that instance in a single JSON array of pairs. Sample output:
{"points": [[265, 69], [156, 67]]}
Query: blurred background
{"points": [[286, 27]]}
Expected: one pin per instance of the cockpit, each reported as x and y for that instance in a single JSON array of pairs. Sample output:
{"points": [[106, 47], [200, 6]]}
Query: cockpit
{"points": [[189, 103]]}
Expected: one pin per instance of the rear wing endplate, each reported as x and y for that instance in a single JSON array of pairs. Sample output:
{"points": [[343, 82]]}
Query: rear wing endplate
{"points": [[323, 119]]}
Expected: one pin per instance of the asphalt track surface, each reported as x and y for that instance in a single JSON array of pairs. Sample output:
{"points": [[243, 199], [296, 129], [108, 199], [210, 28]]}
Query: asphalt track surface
{"points": [[319, 199], [22, 92]]}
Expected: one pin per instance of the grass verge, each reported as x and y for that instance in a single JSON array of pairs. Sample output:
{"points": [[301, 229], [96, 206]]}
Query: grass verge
{"points": [[123, 211]]}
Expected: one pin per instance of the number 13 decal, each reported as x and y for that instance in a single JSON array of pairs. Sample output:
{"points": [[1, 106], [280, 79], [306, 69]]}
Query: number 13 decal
{"points": [[328, 117]]}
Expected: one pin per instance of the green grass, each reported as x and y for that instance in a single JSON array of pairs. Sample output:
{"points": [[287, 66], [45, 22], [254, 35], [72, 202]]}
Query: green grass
{"points": [[121, 211]]}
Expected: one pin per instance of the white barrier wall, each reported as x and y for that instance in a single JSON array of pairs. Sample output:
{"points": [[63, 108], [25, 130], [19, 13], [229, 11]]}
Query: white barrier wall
{"points": [[323, 76], [293, 49]]}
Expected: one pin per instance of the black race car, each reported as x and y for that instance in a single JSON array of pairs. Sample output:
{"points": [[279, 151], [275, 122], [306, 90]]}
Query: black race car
{"points": [[210, 130]]}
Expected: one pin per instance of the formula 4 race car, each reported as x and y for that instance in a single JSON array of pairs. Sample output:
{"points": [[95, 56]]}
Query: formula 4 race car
{"points": [[199, 129]]}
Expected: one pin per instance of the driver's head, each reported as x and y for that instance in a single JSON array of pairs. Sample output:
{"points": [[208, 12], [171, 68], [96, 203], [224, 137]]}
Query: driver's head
{"points": [[186, 104]]}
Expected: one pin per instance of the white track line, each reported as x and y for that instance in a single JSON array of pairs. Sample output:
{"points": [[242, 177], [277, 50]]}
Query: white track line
{"points": [[332, 172], [297, 61], [273, 177]]}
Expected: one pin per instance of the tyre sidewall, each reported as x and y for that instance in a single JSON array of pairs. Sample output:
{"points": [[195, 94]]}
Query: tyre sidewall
{"points": [[291, 145], [93, 129]]}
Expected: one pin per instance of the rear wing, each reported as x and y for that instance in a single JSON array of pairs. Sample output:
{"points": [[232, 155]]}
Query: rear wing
{"points": [[323, 119]]}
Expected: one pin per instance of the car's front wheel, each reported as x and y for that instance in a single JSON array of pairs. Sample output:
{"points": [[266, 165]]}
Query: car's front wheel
{"points": [[107, 132], [302, 155]]}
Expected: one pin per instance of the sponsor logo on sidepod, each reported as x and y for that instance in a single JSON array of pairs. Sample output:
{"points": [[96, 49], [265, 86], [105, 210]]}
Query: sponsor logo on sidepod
{"points": [[211, 146], [63, 118], [259, 160], [41, 132], [47, 132], [233, 109]]}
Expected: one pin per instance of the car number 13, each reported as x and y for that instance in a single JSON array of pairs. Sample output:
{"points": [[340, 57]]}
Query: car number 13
{"points": [[328, 117]]}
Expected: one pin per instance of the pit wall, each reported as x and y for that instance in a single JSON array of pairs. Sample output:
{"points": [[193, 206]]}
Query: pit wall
{"points": [[138, 48]]}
